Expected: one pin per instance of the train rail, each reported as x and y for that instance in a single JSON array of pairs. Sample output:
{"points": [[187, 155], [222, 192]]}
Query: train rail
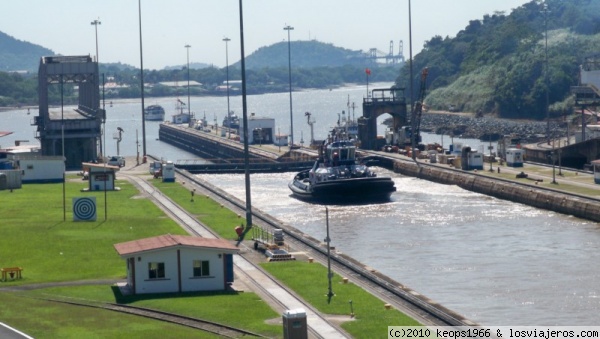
{"points": [[187, 221], [387, 289], [222, 330]]}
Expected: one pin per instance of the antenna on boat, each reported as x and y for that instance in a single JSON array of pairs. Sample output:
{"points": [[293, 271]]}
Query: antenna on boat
{"points": [[310, 122]]}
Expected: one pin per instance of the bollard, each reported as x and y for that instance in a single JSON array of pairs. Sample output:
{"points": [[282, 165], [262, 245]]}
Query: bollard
{"points": [[310, 260], [345, 280]]}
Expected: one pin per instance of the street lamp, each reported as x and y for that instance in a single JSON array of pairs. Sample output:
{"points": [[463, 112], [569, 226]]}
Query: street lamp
{"points": [[227, 71], [187, 47], [288, 28], [545, 11], [412, 107], [96, 23], [142, 82], [490, 147]]}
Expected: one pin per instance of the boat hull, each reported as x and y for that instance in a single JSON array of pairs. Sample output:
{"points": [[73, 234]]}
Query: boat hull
{"points": [[353, 190]]}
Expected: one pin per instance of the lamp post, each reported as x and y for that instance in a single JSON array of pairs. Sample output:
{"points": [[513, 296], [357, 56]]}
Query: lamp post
{"points": [[245, 129], [490, 147], [545, 11], [289, 28], [412, 107], [187, 47], [227, 71], [142, 83], [96, 23]]}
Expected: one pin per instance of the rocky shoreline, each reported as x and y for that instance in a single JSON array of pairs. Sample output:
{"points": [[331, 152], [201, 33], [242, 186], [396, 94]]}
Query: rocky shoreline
{"points": [[486, 128]]}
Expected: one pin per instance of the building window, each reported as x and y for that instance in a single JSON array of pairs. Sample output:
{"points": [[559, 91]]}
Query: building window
{"points": [[201, 268], [156, 270]]}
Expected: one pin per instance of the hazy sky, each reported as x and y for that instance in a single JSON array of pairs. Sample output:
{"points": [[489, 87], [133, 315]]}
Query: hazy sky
{"points": [[64, 26]]}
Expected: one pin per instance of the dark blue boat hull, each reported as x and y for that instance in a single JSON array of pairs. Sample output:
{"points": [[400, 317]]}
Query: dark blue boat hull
{"points": [[353, 190]]}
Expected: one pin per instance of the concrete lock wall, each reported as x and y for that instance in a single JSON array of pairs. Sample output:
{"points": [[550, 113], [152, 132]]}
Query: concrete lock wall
{"points": [[533, 196]]}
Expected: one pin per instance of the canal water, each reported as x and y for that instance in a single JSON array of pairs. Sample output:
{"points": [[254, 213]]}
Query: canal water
{"points": [[494, 261]]}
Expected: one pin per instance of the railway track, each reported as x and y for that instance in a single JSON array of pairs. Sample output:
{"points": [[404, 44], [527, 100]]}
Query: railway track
{"points": [[401, 297], [243, 262], [204, 325]]}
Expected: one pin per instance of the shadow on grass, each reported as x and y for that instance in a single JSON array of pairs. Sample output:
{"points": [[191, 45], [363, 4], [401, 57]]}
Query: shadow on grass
{"points": [[128, 299]]}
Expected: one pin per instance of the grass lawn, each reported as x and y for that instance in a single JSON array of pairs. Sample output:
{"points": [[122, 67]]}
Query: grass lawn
{"points": [[50, 249], [46, 319], [220, 219], [371, 317], [220, 307]]}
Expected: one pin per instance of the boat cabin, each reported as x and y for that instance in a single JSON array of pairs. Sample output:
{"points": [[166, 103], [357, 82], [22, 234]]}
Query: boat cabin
{"points": [[339, 153]]}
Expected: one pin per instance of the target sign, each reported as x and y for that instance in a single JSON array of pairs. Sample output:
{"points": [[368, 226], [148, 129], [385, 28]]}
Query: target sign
{"points": [[84, 208]]}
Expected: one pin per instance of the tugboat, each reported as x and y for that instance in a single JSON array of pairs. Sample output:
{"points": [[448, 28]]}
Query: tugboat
{"points": [[337, 178], [231, 121]]}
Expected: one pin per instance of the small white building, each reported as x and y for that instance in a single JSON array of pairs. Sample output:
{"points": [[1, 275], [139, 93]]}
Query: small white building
{"points": [[260, 130], [100, 176], [168, 172], [40, 168], [475, 160], [280, 140], [514, 157], [177, 263]]}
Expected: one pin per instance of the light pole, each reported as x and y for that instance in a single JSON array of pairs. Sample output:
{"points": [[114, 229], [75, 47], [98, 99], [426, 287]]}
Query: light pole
{"points": [[142, 83], [245, 129], [96, 23], [412, 107], [187, 47], [227, 71], [289, 28], [545, 11]]}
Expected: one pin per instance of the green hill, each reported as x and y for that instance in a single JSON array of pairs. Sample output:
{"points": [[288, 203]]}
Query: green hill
{"points": [[17, 55], [304, 54], [497, 64]]}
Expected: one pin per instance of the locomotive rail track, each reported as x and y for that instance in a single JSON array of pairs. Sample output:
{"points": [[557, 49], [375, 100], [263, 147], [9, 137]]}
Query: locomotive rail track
{"points": [[401, 297], [244, 262], [204, 325]]}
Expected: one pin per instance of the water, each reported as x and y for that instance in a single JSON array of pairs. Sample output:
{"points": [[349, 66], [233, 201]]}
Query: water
{"points": [[326, 107], [496, 262]]}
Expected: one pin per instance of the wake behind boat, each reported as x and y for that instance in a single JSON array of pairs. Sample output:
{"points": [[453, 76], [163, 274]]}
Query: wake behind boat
{"points": [[336, 177]]}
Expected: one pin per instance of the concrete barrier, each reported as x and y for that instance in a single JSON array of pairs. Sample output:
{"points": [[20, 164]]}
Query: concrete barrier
{"points": [[533, 196]]}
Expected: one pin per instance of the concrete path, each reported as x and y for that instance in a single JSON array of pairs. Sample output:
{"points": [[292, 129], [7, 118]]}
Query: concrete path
{"points": [[316, 323]]}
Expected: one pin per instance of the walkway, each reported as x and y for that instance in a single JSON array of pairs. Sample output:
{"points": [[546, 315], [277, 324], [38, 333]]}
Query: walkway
{"points": [[316, 323]]}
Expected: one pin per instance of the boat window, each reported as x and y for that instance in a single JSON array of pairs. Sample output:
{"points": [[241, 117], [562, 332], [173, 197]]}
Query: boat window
{"points": [[344, 154]]}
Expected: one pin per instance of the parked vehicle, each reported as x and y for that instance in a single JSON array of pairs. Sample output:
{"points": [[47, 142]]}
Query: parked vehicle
{"points": [[116, 161]]}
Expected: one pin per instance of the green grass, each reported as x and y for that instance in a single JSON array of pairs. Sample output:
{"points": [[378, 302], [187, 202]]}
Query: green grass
{"points": [[51, 249], [48, 248], [220, 219], [370, 314], [220, 307], [47, 319]]}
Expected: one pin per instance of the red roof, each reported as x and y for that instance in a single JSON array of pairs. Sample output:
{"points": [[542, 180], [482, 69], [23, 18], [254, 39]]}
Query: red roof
{"points": [[168, 240]]}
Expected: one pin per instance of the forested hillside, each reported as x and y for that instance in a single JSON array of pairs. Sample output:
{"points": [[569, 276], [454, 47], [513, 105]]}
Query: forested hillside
{"points": [[17, 55], [497, 64], [304, 54]]}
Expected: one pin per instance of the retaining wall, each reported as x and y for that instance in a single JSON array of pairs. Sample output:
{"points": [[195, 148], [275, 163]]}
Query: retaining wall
{"points": [[552, 200]]}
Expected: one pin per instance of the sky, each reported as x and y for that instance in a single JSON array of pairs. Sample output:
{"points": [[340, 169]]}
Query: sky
{"points": [[64, 26]]}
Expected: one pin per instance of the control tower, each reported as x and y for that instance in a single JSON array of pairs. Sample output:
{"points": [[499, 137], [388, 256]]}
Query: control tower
{"points": [[79, 126]]}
